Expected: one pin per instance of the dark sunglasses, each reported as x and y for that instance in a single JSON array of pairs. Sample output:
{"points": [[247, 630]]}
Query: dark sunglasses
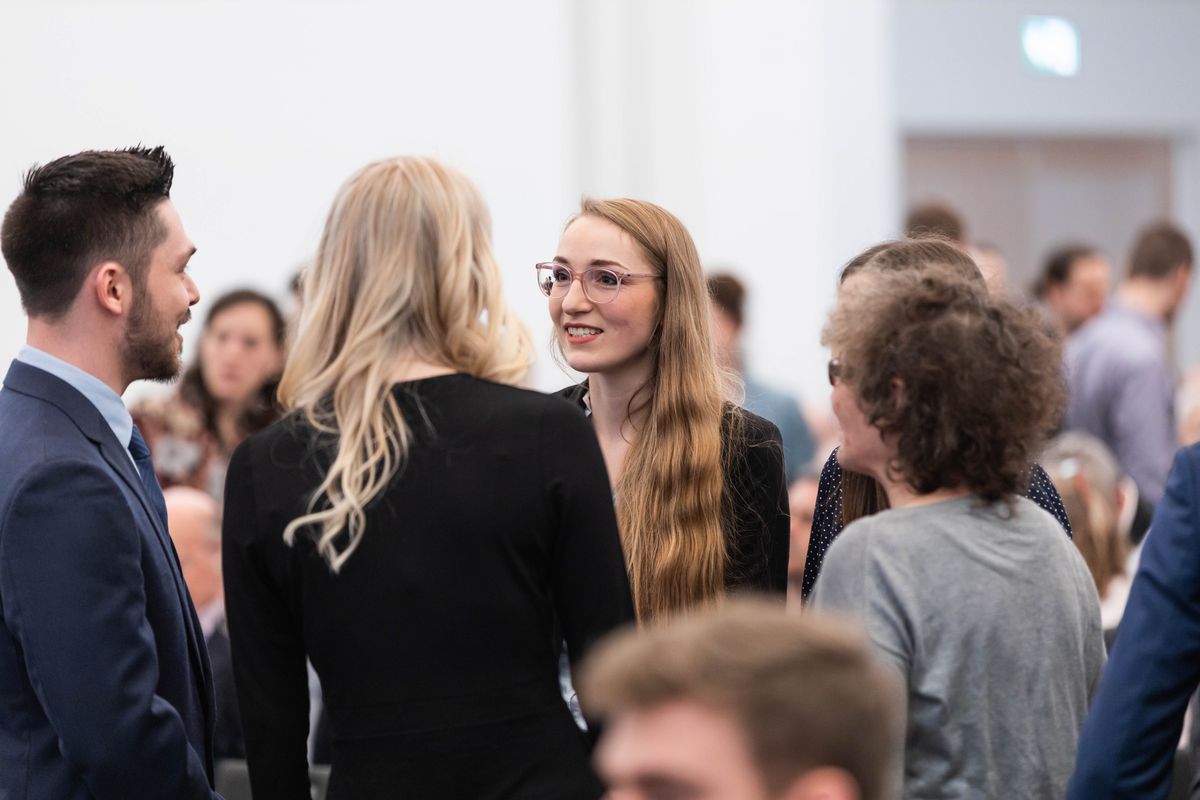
{"points": [[835, 370]]}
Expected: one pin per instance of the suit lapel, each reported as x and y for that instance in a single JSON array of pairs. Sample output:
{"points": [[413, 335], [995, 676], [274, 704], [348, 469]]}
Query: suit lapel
{"points": [[41, 384], [118, 458]]}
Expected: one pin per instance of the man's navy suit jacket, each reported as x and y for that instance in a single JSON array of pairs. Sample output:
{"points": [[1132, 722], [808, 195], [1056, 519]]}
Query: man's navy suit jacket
{"points": [[105, 687], [1132, 730]]}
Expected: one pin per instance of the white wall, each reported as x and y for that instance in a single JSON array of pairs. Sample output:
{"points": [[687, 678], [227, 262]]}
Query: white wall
{"points": [[746, 118], [268, 107], [768, 128], [959, 71]]}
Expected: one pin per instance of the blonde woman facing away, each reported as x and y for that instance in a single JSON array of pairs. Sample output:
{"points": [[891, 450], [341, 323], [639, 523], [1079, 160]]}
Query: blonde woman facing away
{"points": [[698, 483], [416, 527]]}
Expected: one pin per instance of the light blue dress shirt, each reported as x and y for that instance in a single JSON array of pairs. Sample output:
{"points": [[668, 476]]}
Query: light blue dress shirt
{"points": [[1122, 391], [100, 394]]}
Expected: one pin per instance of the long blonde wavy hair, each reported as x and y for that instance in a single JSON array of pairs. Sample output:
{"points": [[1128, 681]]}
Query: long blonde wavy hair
{"points": [[673, 505], [405, 267]]}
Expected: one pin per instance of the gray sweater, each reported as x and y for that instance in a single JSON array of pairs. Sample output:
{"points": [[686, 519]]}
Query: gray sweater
{"points": [[993, 622]]}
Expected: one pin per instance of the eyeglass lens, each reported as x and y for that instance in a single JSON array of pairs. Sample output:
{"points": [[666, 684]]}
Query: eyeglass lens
{"points": [[600, 285]]}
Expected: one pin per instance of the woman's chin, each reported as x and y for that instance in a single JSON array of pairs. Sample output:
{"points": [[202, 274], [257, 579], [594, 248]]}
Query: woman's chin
{"points": [[581, 363]]}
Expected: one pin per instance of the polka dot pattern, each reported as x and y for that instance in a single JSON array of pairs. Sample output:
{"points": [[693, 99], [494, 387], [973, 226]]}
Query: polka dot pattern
{"points": [[827, 517]]}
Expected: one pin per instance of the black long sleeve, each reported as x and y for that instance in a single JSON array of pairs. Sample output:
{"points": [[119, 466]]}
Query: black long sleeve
{"points": [[435, 643], [759, 499]]}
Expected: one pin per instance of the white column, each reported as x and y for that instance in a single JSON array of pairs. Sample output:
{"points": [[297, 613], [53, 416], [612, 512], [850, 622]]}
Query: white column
{"points": [[767, 127]]}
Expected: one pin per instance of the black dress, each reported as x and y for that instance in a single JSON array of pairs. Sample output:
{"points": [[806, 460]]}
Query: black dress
{"points": [[759, 503], [827, 516], [436, 644]]}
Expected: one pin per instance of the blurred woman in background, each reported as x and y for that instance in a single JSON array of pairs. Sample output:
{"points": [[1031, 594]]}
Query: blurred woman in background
{"points": [[417, 527], [1097, 498], [698, 482], [227, 394]]}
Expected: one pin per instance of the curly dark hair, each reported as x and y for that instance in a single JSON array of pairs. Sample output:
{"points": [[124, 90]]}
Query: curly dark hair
{"points": [[971, 386]]}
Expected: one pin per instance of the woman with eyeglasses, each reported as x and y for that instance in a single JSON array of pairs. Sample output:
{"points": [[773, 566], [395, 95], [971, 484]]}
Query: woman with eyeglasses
{"points": [[970, 591], [424, 532], [698, 482], [844, 495]]}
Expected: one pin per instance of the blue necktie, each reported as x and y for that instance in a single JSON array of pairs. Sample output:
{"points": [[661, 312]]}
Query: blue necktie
{"points": [[141, 457]]}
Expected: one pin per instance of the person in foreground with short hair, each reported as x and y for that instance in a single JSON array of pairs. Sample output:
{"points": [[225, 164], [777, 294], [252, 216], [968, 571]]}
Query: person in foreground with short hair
{"points": [[744, 702], [968, 590], [105, 687]]}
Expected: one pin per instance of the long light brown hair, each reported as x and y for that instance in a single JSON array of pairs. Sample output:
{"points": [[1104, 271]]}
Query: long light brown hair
{"points": [[405, 266], [673, 505]]}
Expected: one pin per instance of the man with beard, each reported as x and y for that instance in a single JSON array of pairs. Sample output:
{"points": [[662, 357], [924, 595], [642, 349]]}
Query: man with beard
{"points": [[105, 686]]}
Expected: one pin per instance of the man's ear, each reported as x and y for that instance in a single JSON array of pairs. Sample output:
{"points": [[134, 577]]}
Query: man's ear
{"points": [[823, 783], [112, 287], [1183, 278], [1053, 294]]}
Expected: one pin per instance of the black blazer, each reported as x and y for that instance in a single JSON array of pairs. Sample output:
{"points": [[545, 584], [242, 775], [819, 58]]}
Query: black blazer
{"points": [[105, 687], [757, 501], [435, 643], [227, 727]]}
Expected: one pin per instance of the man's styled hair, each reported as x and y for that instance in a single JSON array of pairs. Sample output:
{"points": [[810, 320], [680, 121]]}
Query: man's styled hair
{"points": [[935, 219], [806, 692], [1057, 270], [79, 210], [1159, 250], [970, 385], [729, 295]]}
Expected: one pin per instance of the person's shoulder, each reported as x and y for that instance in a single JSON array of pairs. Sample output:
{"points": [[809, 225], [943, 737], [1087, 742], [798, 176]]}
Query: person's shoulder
{"points": [[502, 409], [280, 448], [1191, 455], [505, 398], [293, 429], [831, 471], [857, 545], [37, 431], [573, 394], [1030, 513], [1038, 525], [39, 485], [866, 532], [756, 430], [1115, 337]]}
